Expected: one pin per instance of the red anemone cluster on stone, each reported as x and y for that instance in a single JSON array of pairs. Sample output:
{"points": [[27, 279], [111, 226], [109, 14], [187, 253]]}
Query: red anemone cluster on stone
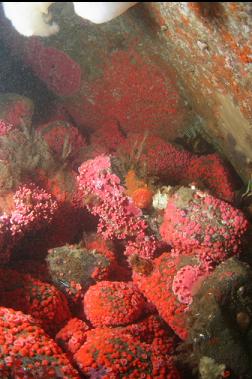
{"points": [[26, 351], [113, 304], [203, 225], [42, 300], [112, 353]]}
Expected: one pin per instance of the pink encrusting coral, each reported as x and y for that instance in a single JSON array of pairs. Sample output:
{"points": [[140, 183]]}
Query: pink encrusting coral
{"points": [[113, 304], [203, 225], [26, 351], [34, 208], [100, 190], [5, 128]]}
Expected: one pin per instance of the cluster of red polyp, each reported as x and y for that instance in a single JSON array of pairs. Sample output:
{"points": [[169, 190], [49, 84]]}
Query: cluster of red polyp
{"points": [[107, 292], [203, 225]]}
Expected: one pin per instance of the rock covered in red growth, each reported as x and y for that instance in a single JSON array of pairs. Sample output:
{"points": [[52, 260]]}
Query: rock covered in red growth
{"points": [[157, 288], [154, 331], [210, 172], [34, 208], [203, 225], [149, 329], [113, 304], [64, 139], [27, 352], [135, 92], [43, 301], [57, 69], [100, 190], [15, 110], [72, 336], [114, 353], [74, 268], [155, 157]]}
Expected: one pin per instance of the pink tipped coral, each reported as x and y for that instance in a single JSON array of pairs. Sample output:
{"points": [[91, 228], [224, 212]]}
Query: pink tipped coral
{"points": [[103, 195], [34, 207], [203, 225], [5, 128]]}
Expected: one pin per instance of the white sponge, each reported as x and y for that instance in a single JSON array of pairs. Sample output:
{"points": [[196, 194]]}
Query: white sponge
{"points": [[30, 18], [99, 12]]}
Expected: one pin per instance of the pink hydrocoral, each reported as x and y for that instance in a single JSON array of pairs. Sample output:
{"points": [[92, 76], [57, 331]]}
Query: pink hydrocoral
{"points": [[200, 223], [210, 172], [119, 218], [5, 128], [57, 69], [34, 207]]}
